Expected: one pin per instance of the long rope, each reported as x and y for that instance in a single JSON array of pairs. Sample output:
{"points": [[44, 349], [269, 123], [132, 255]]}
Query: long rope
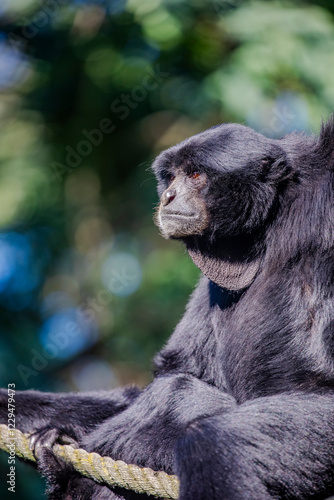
{"points": [[100, 469]]}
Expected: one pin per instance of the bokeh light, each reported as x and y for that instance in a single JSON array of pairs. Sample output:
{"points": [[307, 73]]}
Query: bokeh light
{"points": [[92, 373], [121, 274], [67, 333]]}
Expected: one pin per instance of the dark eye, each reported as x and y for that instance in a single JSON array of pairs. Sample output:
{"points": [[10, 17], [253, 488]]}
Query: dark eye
{"points": [[194, 175], [171, 178]]}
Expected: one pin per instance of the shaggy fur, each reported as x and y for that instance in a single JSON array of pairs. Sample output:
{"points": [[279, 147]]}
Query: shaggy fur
{"points": [[242, 404]]}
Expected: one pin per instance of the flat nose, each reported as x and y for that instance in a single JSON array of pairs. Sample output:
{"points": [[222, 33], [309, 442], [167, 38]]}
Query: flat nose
{"points": [[169, 196]]}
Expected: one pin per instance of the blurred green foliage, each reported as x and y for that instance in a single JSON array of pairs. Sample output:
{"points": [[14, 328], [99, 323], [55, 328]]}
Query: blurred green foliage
{"points": [[90, 92]]}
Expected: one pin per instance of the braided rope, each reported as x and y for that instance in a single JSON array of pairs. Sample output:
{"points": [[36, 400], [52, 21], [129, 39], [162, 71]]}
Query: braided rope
{"points": [[100, 469]]}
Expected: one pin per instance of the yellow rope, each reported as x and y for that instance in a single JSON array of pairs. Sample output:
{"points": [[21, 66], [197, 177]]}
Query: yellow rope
{"points": [[100, 469]]}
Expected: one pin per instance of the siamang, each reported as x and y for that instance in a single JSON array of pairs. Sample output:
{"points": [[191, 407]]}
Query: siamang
{"points": [[242, 403]]}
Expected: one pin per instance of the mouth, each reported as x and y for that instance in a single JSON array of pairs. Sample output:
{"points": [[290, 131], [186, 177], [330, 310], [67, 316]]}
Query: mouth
{"points": [[179, 214], [178, 224]]}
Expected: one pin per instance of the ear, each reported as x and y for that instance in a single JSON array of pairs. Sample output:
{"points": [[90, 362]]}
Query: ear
{"points": [[275, 166]]}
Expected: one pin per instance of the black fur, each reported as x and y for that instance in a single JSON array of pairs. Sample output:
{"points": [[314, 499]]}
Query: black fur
{"points": [[242, 404]]}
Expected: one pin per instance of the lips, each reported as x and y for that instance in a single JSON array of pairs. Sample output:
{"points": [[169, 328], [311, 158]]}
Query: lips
{"points": [[167, 213]]}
